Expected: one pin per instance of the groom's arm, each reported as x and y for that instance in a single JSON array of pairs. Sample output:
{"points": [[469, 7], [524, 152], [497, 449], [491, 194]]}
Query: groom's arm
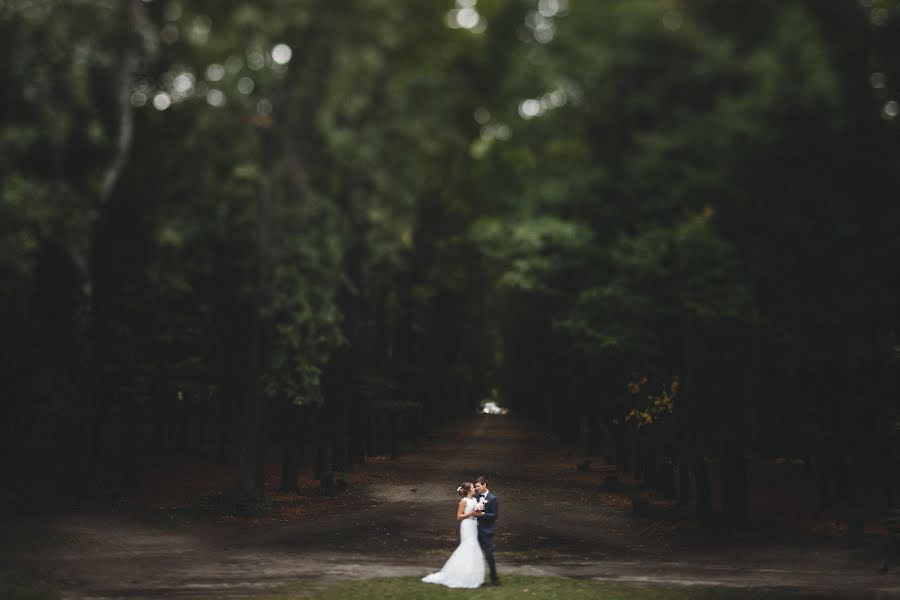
{"points": [[492, 509]]}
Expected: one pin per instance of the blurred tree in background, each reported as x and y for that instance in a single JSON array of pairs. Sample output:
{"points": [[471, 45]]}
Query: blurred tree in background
{"points": [[661, 227]]}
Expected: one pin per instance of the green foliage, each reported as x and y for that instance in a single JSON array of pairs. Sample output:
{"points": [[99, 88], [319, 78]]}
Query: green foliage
{"points": [[355, 203], [692, 151], [308, 321], [535, 250]]}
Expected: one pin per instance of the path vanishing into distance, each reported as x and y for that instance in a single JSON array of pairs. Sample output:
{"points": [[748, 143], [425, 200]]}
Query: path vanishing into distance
{"points": [[398, 520]]}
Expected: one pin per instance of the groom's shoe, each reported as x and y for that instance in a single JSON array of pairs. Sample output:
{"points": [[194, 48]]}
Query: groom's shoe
{"points": [[495, 581]]}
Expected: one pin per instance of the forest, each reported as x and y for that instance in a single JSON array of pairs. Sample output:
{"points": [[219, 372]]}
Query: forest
{"points": [[307, 232]]}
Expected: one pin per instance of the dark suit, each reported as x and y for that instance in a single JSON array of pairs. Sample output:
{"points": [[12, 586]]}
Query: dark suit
{"points": [[486, 530]]}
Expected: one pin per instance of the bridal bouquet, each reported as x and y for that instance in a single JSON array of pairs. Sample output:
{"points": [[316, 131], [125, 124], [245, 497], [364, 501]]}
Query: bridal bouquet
{"points": [[479, 506]]}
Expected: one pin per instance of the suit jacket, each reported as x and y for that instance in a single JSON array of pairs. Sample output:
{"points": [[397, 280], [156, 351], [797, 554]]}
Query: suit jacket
{"points": [[491, 512]]}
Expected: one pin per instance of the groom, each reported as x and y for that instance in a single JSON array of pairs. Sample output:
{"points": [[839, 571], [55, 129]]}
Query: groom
{"points": [[486, 521]]}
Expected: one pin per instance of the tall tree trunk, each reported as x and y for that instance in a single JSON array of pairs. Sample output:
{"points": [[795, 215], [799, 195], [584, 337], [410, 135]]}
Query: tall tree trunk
{"points": [[133, 13], [623, 458], [703, 492], [251, 461], [130, 456], [98, 423], [584, 436], [325, 451], [726, 487], [734, 488], [160, 411], [684, 484], [741, 491], [372, 436], [888, 465], [182, 425], [665, 481], [293, 435], [342, 438], [394, 435], [824, 481]]}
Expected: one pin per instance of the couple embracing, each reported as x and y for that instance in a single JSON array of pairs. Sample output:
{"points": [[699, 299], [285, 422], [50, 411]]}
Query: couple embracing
{"points": [[477, 511]]}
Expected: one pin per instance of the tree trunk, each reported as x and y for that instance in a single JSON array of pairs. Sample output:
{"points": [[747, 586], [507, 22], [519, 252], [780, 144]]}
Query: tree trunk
{"points": [[648, 470], [223, 422], [358, 424], [160, 405], [684, 485], [638, 473], [129, 477], [889, 466], [342, 439], [584, 436], [393, 435], [726, 487], [98, 423], [733, 488], [623, 458], [182, 425], [824, 481], [324, 471], [842, 483], [703, 492], [293, 434], [251, 462], [372, 436], [325, 448], [742, 491], [665, 478], [129, 56]]}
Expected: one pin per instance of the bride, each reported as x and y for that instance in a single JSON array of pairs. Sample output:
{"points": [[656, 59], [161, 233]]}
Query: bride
{"points": [[465, 567]]}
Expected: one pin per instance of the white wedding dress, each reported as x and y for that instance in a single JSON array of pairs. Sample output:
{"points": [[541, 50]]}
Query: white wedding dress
{"points": [[465, 567]]}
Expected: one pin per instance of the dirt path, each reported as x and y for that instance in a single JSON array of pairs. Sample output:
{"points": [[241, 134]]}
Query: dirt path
{"points": [[553, 521]]}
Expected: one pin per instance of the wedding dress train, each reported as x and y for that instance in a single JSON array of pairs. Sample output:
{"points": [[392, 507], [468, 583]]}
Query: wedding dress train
{"points": [[465, 567]]}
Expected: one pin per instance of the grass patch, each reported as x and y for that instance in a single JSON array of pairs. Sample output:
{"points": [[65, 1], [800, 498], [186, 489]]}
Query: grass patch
{"points": [[531, 587]]}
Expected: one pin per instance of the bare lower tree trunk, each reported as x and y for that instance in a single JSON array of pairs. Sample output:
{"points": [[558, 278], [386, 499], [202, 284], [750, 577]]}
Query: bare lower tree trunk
{"points": [[184, 399], [701, 481], [101, 402], [623, 456], [889, 466], [372, 437], [824, 481], [741, 491], [325, 452], [251, 475], [342, 439], [637, 456], [293, 432], [394, 435], [648, 469], [129, 468], [726, 488], [684, 484], [133, 13], [665, 478], [734, 488]]}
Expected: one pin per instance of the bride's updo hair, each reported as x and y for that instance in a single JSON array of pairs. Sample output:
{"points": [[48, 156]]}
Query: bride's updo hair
{"points": [[463, 489]]}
